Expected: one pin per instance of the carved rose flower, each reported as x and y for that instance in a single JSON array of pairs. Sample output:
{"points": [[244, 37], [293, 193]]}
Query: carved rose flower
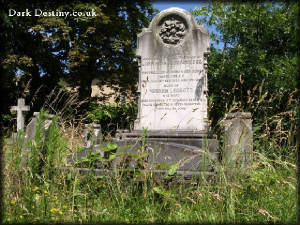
{"points": [[172, 31]]}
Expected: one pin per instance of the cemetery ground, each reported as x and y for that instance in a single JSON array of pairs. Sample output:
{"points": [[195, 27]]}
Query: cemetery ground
{"points": [[222, 124], [44, 193], [186, 167]]}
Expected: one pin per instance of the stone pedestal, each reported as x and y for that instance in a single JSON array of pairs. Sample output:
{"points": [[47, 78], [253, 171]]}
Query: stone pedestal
{"points": [[238, 140], [186, 137]]}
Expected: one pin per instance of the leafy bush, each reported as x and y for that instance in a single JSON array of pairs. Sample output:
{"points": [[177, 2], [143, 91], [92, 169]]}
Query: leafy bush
{"points": [[259, 59], [112, 116]]}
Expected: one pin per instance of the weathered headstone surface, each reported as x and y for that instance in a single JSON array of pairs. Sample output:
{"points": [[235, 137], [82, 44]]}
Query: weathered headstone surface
{"points": [[31, 127], [172, 55], [238, 151], [20, 108], [31, 132]]}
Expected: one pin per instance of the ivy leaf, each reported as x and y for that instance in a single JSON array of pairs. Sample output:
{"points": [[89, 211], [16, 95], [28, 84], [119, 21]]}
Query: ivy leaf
{"points": [[112, 157], [173, 169]]}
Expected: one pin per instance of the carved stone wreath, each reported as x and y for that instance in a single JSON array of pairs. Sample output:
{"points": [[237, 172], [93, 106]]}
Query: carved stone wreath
{"points": [[172, 31]]}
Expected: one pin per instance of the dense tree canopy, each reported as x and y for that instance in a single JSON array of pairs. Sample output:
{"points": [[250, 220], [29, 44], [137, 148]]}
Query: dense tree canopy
{"points": [[259, 58], [37, 53]]}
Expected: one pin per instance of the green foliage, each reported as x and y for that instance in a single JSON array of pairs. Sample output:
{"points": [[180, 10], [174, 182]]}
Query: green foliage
{"points": [[56, 195], [7, 119], [173, 169], [103, 157], [39, 156], [261, 42], [37, 53], [110, 147], [112, 117], [90, 161]]}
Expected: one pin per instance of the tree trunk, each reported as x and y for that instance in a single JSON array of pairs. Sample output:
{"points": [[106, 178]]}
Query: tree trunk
{"points": [[85, 92]]}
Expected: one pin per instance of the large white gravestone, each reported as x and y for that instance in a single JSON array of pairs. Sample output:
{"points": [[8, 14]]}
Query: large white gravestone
{"points": [[172, 56]]}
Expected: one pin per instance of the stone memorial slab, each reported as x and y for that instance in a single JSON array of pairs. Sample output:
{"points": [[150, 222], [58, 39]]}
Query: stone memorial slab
{"points": [[171, 125], [188, 157], [172, 55], [31, 132]]}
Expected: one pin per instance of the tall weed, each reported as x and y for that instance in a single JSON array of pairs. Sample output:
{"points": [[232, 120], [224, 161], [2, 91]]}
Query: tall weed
{"points": [[45, 192]]}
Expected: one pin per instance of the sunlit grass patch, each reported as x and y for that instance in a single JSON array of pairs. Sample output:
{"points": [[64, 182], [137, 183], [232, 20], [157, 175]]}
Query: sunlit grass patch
{"points": [[48, 194]]}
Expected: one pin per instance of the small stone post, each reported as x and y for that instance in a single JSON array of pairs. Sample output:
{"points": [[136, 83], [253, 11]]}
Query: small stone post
{"points": [[238, 141], [92, 135], [97, 134], [86, 136]]}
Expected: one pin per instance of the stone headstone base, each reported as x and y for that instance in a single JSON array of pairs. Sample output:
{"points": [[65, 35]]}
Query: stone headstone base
{"points": [[181, 177], [199, 139], [193, 151]]}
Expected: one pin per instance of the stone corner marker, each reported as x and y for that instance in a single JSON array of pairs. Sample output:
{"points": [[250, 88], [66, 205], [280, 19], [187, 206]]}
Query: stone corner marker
{"points": [[20, 108], [238, 151]]}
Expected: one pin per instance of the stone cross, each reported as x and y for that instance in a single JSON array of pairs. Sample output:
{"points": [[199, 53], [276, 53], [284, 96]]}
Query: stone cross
{"points": [[20, 108]]}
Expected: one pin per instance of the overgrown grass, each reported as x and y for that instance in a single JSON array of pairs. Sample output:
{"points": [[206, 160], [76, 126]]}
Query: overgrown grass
{"points": [[41, 192]]}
